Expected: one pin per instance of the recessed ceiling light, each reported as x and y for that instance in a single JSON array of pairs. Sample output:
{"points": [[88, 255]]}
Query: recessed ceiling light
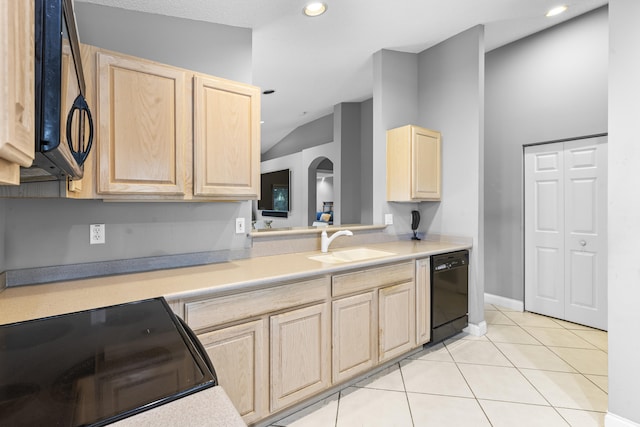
{"points": [[315, 9], [556, 11]]}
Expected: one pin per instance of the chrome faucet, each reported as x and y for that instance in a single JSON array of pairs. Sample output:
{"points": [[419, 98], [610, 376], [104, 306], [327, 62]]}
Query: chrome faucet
{"points": [[325, 241]]}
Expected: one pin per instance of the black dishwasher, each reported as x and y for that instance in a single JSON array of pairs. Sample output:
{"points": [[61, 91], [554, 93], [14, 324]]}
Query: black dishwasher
{"points": [[449, 294]]}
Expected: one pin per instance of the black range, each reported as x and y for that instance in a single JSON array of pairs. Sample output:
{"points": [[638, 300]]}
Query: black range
{"points": [[97, 366]]}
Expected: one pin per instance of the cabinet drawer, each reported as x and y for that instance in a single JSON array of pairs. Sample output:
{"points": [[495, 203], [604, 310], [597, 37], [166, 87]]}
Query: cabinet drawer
{"points": [[348, 283], [218, 311]]}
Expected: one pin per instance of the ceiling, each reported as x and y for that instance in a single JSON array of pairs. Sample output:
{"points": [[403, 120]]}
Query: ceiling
{"points": [[316, 63]]}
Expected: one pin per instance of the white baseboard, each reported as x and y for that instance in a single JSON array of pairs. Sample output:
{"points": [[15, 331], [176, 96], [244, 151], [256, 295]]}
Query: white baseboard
{"points": [[476, 330], [509, 303], [612, 420]]}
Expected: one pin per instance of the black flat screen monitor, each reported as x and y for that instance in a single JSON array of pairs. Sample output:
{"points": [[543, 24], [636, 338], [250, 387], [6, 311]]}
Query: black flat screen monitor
{"points": [[274, 188]]}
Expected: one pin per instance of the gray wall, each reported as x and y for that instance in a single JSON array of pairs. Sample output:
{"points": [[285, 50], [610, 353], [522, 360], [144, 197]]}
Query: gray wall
{"points": [[548, 86], [219, 50], [624, 211], [44, 232], [347, 133], [316, 132], [366, 162], [351, 127], [423, 90], [451, 100], [395, 103], [56, 231]]}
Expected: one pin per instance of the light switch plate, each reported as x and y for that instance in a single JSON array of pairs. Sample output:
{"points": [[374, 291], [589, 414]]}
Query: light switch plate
{"points": [[239, 225], [388, 219]]}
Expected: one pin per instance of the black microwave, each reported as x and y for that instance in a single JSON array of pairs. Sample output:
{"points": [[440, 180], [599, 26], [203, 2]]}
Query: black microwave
{"points": [[63, 121]]}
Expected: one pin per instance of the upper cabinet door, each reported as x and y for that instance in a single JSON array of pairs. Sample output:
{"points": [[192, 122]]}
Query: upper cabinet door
{"points": [[226, 139], [426, 174], [142, 131], [17, 116], [414, 161]]}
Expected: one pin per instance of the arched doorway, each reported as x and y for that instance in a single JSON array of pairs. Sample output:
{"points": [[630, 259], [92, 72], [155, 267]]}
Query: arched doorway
{"points": [[320, 191]]}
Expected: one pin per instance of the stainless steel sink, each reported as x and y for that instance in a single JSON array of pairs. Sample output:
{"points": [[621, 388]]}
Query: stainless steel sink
{"points": [[350, 255]]}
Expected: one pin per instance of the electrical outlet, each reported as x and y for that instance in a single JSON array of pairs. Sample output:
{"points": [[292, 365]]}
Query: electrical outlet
{"points": [[239, 225], [96, 234], [388, 219]]}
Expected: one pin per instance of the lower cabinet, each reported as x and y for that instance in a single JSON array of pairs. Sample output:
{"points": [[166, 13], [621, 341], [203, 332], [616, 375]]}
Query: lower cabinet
{"points": [[239, 356], [354, 336], [273, 362], [275, 347], [270, 347], [397, 324], [376, 324], [299, 354], [423, 301]]}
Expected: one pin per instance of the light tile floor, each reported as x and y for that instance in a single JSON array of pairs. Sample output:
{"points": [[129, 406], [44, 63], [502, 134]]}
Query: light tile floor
{"points": [[528, 370]]}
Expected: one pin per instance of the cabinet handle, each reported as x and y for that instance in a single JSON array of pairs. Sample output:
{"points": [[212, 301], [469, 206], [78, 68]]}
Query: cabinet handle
{"points": [[583, 243]]}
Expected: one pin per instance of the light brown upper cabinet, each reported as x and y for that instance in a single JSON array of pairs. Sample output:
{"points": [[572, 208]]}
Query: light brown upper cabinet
{"points": [[166, 133], [414, 162], [226, 139], [142, 129], [17, 109]]}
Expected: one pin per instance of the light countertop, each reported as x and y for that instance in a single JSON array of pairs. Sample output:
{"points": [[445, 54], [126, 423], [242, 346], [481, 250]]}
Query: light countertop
{"points": [[210, 407], [31, 302]]}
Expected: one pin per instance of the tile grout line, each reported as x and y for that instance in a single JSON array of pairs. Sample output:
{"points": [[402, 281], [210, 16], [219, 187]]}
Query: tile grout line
{"points": [[578, 371], [555, 408], [527, 379], [590, 343], [567, 362], [338, 408], [524, 330], [406, 395], [468, 385], [592, 382]]}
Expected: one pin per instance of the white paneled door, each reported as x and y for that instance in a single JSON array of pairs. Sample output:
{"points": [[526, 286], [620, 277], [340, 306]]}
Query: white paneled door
{"points": [[565, 230]]}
